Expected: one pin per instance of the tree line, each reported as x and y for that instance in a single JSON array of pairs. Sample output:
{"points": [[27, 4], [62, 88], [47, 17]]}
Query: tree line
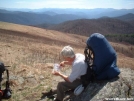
{"points": [[127, 38]]}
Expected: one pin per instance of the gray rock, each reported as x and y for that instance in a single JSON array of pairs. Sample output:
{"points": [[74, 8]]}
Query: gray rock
{"points": [[21, 80], [121, 88], [41, 77], [32, 81]]}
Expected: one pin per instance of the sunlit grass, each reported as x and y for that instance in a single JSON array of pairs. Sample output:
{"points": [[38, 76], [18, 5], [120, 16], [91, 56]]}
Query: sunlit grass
{"points": [[32, 59]]}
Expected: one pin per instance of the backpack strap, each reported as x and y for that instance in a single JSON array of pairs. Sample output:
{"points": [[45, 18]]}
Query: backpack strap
{"points": [[7, 82], [2, 69], [7, 72], [90, 75], [7, 91], [89, 55]]}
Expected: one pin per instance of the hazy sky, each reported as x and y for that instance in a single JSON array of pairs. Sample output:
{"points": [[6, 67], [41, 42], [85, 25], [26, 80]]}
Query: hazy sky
{"points": [[35, 4]]}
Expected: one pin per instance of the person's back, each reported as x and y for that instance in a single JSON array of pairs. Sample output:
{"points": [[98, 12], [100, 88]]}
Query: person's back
{"points": [[79, 67]]}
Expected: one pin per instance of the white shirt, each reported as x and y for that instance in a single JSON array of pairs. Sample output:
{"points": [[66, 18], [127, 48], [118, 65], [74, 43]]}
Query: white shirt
{"points": [[79, 67]]}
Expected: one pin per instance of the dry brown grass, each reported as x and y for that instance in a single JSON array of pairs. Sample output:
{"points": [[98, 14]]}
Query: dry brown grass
{"points": [[31, 52], [125, 53]]}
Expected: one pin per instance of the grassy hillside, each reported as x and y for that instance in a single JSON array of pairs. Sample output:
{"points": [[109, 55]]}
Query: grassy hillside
{"points": [[31, 52], [89, 26], [114, 29]]}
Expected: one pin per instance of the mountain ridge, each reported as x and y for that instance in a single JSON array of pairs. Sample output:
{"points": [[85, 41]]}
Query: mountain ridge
{"points": [[89, 26], [128, 18], [56, 16]]}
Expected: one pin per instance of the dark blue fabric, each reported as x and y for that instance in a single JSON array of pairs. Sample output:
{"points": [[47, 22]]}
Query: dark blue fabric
{"points": [[104, 64]]}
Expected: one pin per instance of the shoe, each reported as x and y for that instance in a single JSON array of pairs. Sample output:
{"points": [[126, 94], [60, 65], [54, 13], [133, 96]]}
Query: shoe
{"points": [[68, 92], [56, 99], [49, 93]]}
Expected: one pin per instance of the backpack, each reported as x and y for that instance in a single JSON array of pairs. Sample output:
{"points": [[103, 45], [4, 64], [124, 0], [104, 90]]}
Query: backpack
{"points": [[101, 59], [6, 93]]}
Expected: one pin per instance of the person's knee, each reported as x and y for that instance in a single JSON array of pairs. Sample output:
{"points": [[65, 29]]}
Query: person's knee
{"points": [[59, 84], [63, 85]]}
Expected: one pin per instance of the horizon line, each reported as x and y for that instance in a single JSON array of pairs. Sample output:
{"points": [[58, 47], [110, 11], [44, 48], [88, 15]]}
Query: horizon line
{"points": [[61, 8]]}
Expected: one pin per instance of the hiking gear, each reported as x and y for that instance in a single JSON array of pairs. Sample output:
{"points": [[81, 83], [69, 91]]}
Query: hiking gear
{"points": [[101, 60], [1, 94], [7, 91]]}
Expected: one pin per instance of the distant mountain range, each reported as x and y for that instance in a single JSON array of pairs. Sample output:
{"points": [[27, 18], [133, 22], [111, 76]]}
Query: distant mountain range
{"points": [[91, 13], [56, 16], [30, 18], [128, 18], [78, 21]]}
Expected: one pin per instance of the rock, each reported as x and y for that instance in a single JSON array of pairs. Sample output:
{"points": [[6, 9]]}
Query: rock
{"points": [[30, 75], [11, 77], [32, 81], [121, 88], [41, 77], [21, 80]]}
